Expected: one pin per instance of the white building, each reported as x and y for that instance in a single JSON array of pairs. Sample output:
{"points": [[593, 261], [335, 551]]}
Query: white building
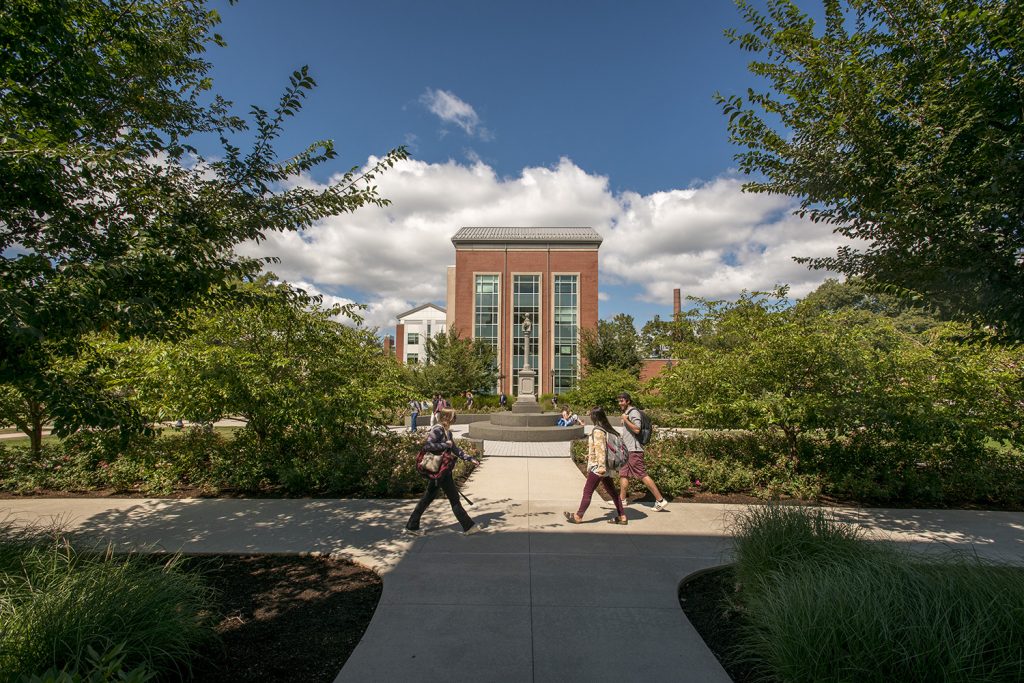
{"points": [[413, 330]]}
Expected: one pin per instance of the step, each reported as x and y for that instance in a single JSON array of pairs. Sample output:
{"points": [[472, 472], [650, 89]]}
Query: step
{"points": [[493, 432], [525, 419]]}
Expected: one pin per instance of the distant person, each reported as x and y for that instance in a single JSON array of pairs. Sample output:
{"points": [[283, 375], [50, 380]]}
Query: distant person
{"points": [[597, 471], [503, 400], [440, 440], [414, 410], [554, 401], [179, 424], [635, 467], [568, 418], [469, 400], [439, 404]]}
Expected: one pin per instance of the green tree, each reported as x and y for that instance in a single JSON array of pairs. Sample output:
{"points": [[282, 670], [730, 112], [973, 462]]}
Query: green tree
{"points": [[766, 368], [454, 365], [24, 412], [766, 365], [282, 363], [599, 387], [658, 337], [109, 219], [855, 294], [85, 386], [900, 123], [612, 344]]}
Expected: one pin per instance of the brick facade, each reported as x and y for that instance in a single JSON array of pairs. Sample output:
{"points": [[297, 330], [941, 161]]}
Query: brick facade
{"points": [[526, 257]]}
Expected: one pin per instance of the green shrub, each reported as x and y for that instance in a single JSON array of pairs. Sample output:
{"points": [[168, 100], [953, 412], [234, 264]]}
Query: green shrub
{"points": [[820, 603], [57, 603]]}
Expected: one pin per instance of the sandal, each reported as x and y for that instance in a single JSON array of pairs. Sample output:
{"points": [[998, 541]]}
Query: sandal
{"points": [[616, 520], [571, 518]]}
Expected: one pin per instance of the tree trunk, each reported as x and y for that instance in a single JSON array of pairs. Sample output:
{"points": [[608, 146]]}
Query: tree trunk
{"points": [[35, 436], [36, 414], [794, 455]]}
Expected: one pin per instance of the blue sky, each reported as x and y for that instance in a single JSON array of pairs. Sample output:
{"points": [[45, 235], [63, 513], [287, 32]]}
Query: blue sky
{"points": [[559, 113]]}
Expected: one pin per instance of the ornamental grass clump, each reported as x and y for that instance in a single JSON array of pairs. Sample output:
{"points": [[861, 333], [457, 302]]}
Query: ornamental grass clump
{"points": [[772, 540], [821, 603], [60, 606]]}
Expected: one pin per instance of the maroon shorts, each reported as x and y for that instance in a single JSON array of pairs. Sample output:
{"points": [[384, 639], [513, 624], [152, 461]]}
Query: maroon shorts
{"points": [[634, 467]]}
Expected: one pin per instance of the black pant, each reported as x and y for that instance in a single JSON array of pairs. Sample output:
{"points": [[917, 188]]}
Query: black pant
{"points": [[445, 482]]}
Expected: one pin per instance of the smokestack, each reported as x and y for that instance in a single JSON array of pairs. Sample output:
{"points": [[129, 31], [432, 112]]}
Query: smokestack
{"points": [[676, 302]]}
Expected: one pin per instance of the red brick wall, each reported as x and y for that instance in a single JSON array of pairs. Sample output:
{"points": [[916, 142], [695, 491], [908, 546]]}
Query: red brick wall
{"points": [[505, 263], [653, 367], [400, 342]]}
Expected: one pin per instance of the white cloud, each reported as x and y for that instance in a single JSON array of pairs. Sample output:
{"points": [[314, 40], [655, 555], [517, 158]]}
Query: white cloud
{"points": [[451, 109], [710, 240]]}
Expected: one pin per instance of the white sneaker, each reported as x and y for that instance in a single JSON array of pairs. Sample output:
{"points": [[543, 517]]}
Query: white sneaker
{"points": [[475, 529], [661, 505]]}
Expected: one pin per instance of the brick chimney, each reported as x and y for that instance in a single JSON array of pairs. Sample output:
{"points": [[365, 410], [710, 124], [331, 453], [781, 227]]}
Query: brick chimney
{"points": [[387, 344], [676, 302]]}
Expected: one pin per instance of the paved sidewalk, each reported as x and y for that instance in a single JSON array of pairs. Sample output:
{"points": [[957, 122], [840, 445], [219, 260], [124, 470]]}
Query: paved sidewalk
{"points": [[531, 598]]}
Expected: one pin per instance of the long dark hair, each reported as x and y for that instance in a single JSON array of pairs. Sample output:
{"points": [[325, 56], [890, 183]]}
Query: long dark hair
{"points": [[599, 419]]}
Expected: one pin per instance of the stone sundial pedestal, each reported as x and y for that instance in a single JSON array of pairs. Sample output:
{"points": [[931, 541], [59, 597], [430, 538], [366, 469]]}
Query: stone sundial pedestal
{"points": [[526, 422]]}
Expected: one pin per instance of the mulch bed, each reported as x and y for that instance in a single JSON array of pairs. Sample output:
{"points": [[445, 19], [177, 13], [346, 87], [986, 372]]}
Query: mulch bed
{"points": [[284, 617], [706, 601]]}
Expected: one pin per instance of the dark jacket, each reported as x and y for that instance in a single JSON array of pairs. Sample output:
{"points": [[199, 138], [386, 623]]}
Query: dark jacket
{"points": [[437, 442]]}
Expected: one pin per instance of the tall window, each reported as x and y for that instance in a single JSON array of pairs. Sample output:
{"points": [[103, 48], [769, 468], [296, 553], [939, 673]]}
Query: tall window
{"points": [[566, 301], [485, 307], [525, 303]]}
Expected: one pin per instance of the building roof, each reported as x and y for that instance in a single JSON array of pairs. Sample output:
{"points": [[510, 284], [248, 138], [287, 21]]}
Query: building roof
{"points": [[529, 235], [418, 309]]}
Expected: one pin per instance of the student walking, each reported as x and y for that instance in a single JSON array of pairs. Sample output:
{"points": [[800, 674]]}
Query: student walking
{"points": [[635, 468], [440, 440], [439, 405], [597, 471]]}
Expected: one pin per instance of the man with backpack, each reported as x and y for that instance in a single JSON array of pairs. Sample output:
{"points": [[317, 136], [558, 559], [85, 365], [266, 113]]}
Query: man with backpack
{"points": [[635, 433]]}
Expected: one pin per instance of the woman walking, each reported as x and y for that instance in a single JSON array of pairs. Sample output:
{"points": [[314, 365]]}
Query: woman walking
{"points": [[440, 440], [597, 471]]}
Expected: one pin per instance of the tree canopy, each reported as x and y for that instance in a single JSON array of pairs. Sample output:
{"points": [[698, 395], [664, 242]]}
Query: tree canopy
{"points": [[612, 344], [900, 123], [109, 218], [282, 362], [759, 363], [454, 365]]}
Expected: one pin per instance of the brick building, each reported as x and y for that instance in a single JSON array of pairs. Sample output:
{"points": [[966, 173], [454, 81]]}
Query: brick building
{"points": [[549, 275]]}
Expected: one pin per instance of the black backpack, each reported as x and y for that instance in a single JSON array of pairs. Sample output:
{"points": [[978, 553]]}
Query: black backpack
{"points": [[646, 428]]}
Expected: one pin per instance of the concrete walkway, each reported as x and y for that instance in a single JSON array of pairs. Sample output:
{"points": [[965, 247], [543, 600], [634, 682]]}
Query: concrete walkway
{"points": [[531, 598]]}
